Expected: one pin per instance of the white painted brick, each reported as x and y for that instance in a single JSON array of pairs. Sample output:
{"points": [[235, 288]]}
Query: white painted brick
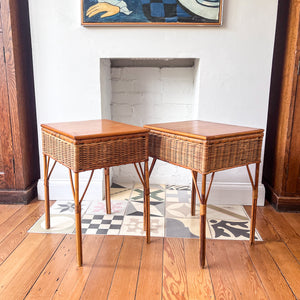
{"points": [[142, 114], [125, 119], [140, 73], [178, 73], [172, 112], [152, 98], [126, 174], [120, 86], [149, 85], [126, 97], [123, 110], [152, 95], [116, 73]]}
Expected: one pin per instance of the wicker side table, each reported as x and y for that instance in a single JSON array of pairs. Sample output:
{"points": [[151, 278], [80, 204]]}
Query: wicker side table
{"points": [[205, 147], [90, 145]]}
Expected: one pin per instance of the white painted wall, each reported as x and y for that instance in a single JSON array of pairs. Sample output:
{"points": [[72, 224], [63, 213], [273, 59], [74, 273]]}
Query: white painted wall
{"points": [[234, 70]]}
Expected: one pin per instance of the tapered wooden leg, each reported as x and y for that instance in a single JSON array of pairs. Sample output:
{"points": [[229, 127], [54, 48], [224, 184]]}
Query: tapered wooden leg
{"points": [[46, 191], [107, 191], [254, 204], [78, 220], [147, 201], [147, 195], [203, 201], [145, 211], [193, 195]]}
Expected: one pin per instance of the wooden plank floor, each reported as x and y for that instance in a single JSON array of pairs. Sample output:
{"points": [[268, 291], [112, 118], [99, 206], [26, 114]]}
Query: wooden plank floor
{"points": [[43, 266]]}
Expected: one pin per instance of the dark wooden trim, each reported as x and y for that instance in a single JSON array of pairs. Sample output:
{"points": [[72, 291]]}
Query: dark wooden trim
{"points": [[8, 178], [19, 127], [282, 153], [18, 52], [18, 196], [282, 203]]}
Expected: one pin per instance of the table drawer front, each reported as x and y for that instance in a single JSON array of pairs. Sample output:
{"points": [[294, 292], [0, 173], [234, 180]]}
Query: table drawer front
{"points": [[184, 153], [202, 155], [112, 153], [100, 154], [232, 153], [62, 151]]}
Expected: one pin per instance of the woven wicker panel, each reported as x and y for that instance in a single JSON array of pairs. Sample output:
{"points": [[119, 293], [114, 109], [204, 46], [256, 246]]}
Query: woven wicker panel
{"points": [[225, 154], [205, 156], [100, 154], [60, 150], [112, 153]]}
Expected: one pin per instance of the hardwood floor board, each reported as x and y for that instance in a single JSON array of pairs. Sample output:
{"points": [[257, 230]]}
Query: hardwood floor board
{"points": [[150, 275], [9, 268], [284, 229], [19, 216], [11, 241], [249, 283], [224, 281], [73, 283], [7, 211], [44, 266], [174, 270], [198, 280], [20, 271], [294, 244], [124, 282], [281, 225], [265, 229], [55, 270], [270, 276], [294, 220], [287, 263], [101, 275]]}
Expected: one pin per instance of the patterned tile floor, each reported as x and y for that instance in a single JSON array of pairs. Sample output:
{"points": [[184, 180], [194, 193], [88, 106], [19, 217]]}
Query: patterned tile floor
{"points": [[170, 215]]}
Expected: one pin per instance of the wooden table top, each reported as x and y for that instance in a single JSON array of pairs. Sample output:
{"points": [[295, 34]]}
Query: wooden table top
{"points": [[80, 130], [203, 130]]}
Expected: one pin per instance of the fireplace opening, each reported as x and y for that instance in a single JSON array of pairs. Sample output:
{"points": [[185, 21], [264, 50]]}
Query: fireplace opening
{"points": [[146, 91]]}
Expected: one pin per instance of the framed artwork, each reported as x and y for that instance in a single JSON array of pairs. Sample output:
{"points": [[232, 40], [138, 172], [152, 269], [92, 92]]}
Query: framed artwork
{"points": [[151, 12]]}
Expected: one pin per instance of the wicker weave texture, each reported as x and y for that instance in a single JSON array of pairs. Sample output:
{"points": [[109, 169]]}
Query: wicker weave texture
{"points": [[96, 155], [202, 155]]}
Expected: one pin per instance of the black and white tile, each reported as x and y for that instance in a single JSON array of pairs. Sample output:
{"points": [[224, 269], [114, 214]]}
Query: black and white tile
{"points": [[101, 224], [231, 230], [68, 207], [170, 211]]}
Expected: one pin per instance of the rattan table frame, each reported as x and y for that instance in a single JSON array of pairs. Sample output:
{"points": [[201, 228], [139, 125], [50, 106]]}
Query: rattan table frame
{"points": [[220, 147], [90, 152]]}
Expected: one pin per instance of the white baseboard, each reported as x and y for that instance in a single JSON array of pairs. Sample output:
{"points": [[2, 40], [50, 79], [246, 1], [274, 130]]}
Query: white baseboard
{"points": [[235, 194], [225, 194]]}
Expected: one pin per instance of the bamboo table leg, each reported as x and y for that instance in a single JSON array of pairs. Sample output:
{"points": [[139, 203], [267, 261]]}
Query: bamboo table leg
{"points": [[203, 201], [107, 191], [254, 203], [193, 195], [46, 191], [144, 178], [78, 220], [147, 200]]}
